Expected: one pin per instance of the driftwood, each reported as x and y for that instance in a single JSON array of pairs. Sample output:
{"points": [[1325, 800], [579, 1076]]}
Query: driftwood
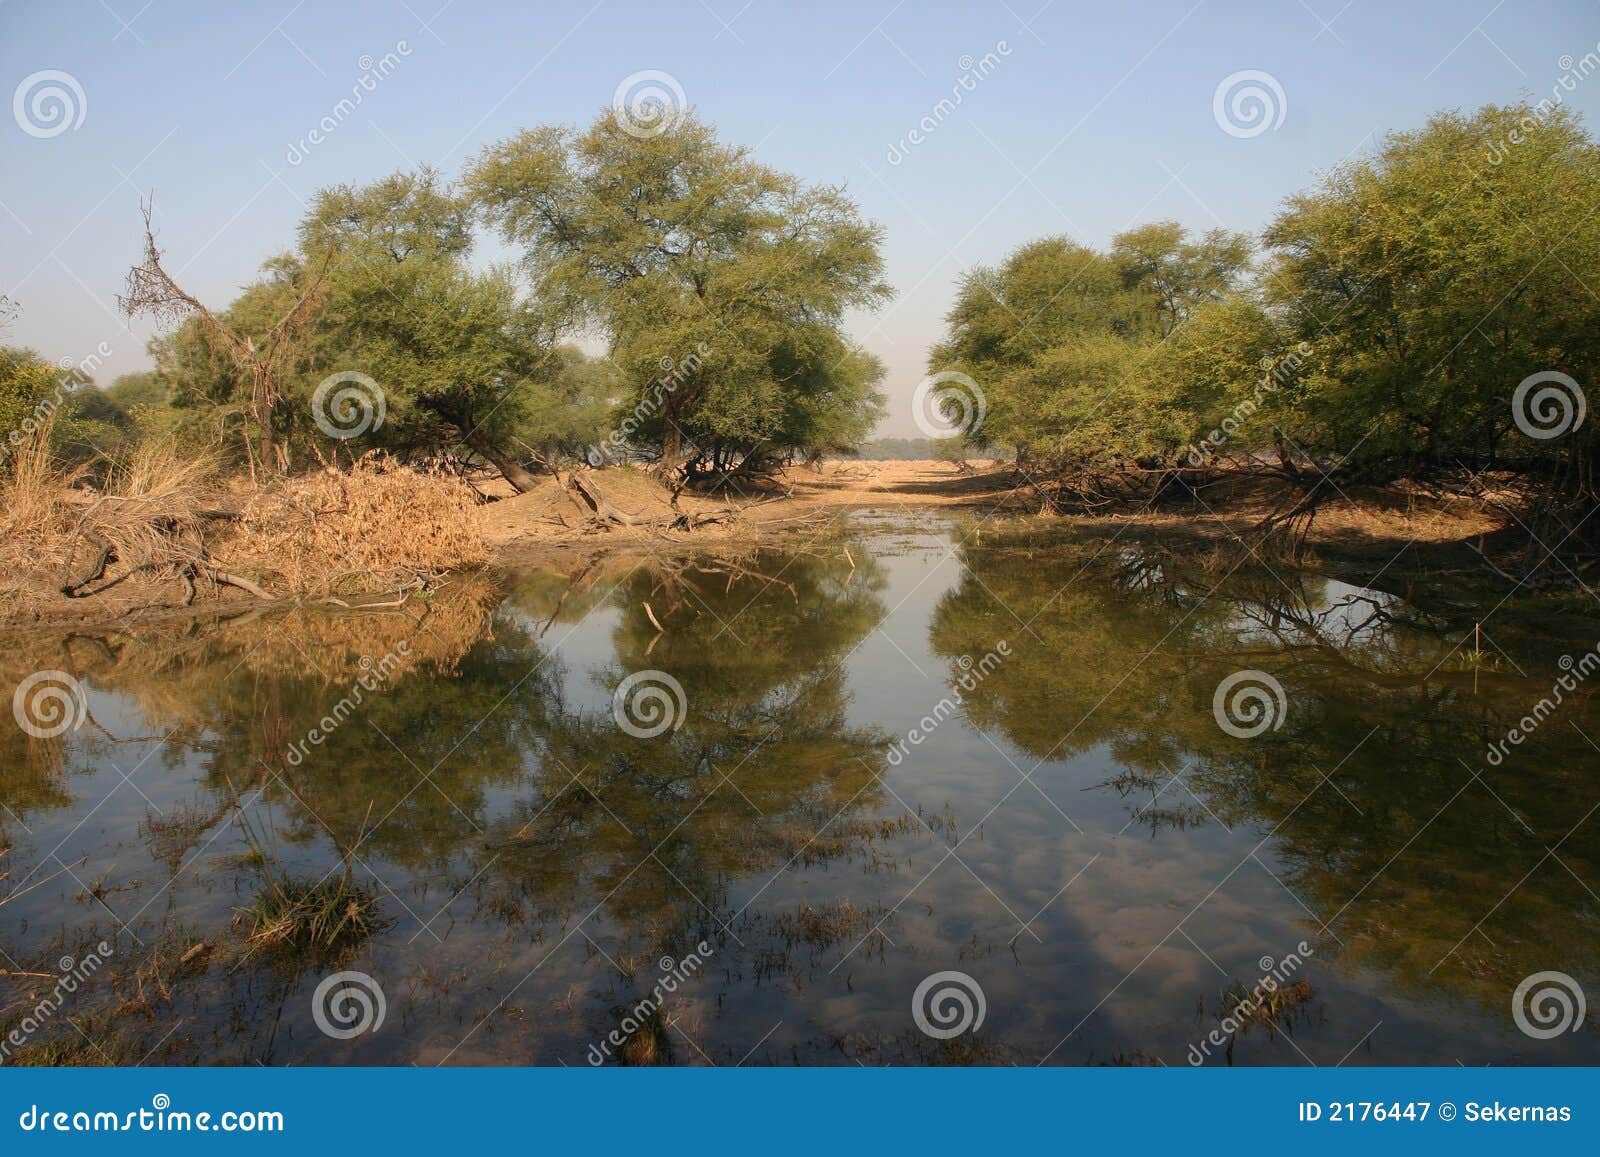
{"points": [[603, 510]]}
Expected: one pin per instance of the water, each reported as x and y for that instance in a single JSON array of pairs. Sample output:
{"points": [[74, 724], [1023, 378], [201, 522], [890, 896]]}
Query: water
{"points": [[927, 755]]}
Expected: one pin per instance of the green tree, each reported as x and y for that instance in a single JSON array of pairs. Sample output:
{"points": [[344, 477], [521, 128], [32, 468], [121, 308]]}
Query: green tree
{"points": [[694, 259], [460, 355], [1436, 275], [1070, 345]]}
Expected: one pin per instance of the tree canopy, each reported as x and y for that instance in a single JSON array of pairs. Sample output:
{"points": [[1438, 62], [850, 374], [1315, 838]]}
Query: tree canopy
{"points": [[720, 284], [1420, 307]]}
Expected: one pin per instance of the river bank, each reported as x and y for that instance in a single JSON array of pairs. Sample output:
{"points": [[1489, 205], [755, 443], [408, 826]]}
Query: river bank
{"points": [[568, 525]]}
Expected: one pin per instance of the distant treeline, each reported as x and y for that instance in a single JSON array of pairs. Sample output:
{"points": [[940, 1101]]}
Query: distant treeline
{"points": [[892, 449], [920, 449]]}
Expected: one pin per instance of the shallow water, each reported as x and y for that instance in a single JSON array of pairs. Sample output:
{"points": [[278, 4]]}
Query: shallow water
{"points": [[926, 755]]}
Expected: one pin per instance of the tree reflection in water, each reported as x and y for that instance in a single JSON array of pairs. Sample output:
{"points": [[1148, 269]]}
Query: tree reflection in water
{"points": [[534, 861]]}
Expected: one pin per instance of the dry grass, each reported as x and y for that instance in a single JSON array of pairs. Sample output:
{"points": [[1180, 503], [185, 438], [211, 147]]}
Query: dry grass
{"points": [[152, 512], [54, 533], [373, 528], [166, 524]]}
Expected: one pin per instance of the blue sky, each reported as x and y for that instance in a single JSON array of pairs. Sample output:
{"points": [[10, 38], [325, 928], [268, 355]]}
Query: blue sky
{"points": [[1092, 118]]}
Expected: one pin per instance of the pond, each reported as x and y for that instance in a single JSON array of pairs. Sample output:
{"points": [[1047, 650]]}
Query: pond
{"points": [[919, 795]]}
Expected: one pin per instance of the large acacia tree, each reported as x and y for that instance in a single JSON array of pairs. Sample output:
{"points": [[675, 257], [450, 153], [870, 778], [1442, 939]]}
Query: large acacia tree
{"points": [[1070, 345], [1436, 275], [721, 284]]}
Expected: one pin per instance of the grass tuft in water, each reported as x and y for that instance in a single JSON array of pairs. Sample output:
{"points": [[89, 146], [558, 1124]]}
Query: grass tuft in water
{"points": [[312, 915]]}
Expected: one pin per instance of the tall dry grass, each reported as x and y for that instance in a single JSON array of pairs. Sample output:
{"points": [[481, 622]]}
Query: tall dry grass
{"points": [[374, 527], [167, 521]]}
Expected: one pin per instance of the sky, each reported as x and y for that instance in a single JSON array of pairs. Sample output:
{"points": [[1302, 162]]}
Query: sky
{"points": [[1057, 118]]}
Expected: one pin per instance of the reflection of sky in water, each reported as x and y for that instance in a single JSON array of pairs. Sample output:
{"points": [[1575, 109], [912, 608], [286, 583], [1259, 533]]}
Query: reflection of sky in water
{"points": [[1095, 928]]}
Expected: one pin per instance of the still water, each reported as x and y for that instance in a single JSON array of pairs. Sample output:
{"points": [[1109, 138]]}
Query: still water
{"points": [[878, 760]]}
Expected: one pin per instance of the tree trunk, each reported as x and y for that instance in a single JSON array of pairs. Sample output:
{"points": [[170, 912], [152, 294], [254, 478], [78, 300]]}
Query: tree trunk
{"points": [[510, 467], [264, 441]]}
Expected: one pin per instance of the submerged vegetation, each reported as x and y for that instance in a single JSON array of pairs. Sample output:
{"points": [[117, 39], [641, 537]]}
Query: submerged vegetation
{"points": [[316, 916]]}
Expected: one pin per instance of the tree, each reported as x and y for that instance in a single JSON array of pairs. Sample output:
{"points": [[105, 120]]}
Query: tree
{"points": [[459, 354], [1435, 276], [31, 389], [259, 365], [1068, 345], [720, 284]]}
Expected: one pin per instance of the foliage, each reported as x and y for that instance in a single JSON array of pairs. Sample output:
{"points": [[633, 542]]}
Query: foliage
{"points": [[721, 284], [1435, 276], [1401, 302], [1067, 343]]}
